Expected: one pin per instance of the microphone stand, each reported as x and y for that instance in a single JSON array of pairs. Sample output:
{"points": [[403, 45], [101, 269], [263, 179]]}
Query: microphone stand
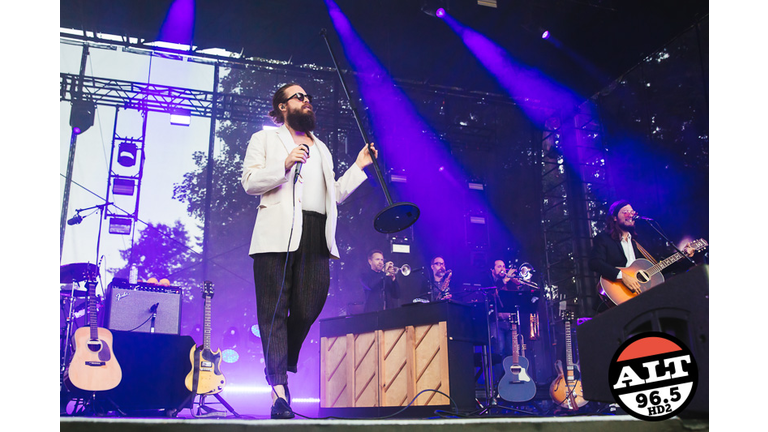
{"points": [[669, 242], [396, 216]]}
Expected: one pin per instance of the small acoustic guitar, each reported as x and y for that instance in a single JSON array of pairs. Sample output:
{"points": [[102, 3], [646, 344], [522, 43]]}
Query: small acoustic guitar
{"points": [[516, 385]]}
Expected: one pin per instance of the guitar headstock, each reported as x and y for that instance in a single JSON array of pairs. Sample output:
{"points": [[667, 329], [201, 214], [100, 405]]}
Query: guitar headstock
{"points": [[208, 289], [699, 245]]}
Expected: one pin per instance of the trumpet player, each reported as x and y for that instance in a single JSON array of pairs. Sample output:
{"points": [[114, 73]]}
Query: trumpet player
{"points": [[503, 278], [380, 285]]}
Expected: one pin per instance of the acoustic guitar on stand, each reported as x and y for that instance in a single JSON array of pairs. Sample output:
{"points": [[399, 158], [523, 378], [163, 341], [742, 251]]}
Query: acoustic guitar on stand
{"points": [[566, 390], [648, 274], [94, 366], [205, 363], [516, 385]]}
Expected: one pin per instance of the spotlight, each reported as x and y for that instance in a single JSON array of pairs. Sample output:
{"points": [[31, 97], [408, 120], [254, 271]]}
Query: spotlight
{"points": [[123, 186], [433, 8], [81, 116], [181, 117], [545, 34], [120, 225], [126, 154]]}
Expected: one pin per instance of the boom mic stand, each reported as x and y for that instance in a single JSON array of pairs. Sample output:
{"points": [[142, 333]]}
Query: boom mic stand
{"points": [[659, 231], [396, 216]]}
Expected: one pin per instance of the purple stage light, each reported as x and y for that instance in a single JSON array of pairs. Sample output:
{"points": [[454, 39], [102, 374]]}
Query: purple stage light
{"points": [[520, 82], [545, 35], [440, 13]]}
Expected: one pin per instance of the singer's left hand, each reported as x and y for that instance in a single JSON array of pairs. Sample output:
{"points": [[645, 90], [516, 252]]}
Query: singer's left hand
{"points": [[364, 157], [689, 250]]}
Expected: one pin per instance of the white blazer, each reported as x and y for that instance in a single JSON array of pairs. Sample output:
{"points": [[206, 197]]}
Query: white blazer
{"points": [[264, 175]]}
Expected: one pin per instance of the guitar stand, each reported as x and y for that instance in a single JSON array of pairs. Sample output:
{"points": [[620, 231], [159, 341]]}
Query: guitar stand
{"points": [[210, 412]]}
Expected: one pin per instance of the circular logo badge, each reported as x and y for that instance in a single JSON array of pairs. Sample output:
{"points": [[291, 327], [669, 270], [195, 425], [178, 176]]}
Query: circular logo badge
{"points": [[653, 376]]}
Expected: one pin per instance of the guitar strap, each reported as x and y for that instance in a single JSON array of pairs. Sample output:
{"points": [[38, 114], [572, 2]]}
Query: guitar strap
{"points": [[644, 252]]}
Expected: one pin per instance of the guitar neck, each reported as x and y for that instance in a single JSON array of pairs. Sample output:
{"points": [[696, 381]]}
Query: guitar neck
{"points": [[515, 346], [207, 327], [568, 351], [92, 312]]}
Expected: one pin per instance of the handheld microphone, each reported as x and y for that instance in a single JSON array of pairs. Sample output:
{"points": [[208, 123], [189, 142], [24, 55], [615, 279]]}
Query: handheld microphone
{"points": [[637, 216], [299, 164], [76, 219]]}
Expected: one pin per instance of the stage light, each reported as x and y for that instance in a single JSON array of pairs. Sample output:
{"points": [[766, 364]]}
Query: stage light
{"points": [[545, 34], [440, 13], [126, 154], [433, 8], [81, 116], [400, 244], [120, 225], [123, 186], [181, 117]]}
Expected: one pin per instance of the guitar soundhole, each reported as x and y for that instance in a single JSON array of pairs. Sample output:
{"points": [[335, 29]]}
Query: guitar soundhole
{"points": [[94, 346], [642, 277]]}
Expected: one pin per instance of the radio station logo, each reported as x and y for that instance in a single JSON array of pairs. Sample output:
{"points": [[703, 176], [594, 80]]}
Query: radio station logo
{"points": [[653, 376]]}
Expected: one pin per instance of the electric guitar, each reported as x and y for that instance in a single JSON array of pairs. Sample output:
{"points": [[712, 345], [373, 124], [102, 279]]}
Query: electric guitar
{"points": [[648, 274], [205, 363], [516, 385], [94, 366], [566, 389]]}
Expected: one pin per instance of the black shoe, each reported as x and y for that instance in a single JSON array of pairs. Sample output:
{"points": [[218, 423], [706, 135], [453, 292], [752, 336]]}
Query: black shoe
{"points": [[281, 410]]}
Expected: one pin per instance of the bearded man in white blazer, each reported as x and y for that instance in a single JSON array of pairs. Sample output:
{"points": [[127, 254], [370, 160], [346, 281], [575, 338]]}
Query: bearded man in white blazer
{"points": [[294, 235]]}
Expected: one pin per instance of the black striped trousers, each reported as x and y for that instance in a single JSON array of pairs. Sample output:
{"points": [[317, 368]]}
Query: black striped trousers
{"points": [[307, 279]]}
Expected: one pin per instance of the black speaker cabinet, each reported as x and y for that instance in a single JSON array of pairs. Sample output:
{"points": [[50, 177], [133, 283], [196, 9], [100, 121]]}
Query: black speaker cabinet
{"points": [[154, 368], [678, 307], [130, 309]]}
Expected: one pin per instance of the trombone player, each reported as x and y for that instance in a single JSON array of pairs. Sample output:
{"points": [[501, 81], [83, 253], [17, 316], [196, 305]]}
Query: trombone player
{"points": [[380, 285]]}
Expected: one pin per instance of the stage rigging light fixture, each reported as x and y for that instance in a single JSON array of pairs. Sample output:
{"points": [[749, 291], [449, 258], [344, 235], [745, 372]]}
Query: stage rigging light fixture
{"points": [[181, 117], [120, 225], [81, 116], [123, 186], [126, 154], [435, 8]]}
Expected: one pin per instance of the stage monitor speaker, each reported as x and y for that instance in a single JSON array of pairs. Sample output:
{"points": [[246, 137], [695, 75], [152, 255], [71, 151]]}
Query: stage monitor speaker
{"points": [[154, 368], [678, 307], [130, 309]]}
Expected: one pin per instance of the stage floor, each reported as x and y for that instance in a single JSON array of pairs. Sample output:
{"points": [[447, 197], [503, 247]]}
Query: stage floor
{"points": [[598, 423]]}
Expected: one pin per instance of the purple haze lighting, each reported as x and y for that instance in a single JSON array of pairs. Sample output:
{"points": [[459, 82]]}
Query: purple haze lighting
{"points": [[440, 13], [537, 95], [545, 35], [406, 142], [179, 23]]}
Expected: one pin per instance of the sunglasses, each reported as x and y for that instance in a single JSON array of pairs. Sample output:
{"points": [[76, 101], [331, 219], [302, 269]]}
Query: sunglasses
{"points": [[300, 97]]}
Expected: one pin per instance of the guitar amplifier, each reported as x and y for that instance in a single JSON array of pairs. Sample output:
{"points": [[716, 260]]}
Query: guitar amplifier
{"points": [[143, 308]]}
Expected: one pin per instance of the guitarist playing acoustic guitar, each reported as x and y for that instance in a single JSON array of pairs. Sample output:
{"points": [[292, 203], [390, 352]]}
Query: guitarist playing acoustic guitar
{"points": [[615, 250]]}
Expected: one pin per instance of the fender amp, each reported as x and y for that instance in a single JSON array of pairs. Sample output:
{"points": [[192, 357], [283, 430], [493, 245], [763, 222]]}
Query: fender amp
{"points": [[143, 307]]}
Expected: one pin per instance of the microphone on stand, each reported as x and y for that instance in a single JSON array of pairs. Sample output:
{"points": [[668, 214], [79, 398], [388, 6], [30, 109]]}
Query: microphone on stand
{"points": [[637, 216], [153, 310], [76, 219], [299, 164]]}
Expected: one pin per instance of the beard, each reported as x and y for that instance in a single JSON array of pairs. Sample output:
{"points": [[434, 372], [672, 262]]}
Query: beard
{"points": [[300, 121]]}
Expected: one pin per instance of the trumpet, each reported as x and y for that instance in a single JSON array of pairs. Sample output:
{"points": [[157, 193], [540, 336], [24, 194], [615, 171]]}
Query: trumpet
{"points": [[405, 269]]}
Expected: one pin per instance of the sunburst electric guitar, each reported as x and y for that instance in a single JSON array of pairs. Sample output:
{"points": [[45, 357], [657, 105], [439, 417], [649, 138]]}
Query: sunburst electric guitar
{"points": [[566, 390], [648, 274], [94, 366], [205, 378]]}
